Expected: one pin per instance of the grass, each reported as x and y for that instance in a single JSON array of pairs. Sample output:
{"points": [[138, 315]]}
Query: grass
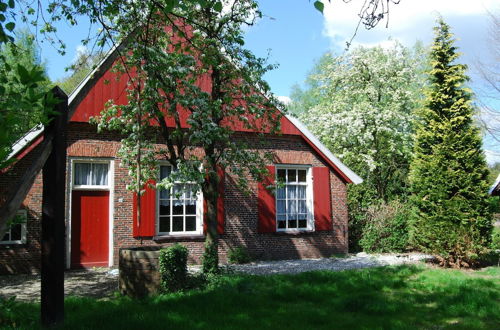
{"points": [[391, 297]]}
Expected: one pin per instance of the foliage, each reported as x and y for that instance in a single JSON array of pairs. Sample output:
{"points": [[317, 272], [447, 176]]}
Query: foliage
{"points": [[493, 173], [361, 106], [495, 238], [449, 173], [239, 255], [383, 298], [210, 260], [365, 110], [173, 268], [15, 314], [164, 67], [23, 86], [386, 228], [79, 69]]}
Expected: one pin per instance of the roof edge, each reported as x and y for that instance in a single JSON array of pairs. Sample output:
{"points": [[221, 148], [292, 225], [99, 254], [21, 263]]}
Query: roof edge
{"points": [[326, 152], [24, 141], [74, 99]]}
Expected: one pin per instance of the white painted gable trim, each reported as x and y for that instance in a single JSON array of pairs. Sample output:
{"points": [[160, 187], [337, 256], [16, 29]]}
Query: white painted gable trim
{"points": [[341, 166]]}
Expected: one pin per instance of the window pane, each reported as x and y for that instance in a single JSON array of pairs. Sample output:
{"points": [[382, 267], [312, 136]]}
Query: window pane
{"points": [[165, 207], [280, 193], [302, 175], [164, 194], [177, 224], [190, 192], [82, 174], [281, 224], [292, 176], [191, 207], [100, 174], [164, 224], [291, 192], [302, 223], [178, 191], [178, 208], [282, 175], [280, 206], [292, 223], [301, 192], [6, 237], [292, 207], [190, 223], [302, 206], [165, 171], [281, 216]]}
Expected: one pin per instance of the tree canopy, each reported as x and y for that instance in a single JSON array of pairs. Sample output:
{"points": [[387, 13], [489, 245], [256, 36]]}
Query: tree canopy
{"points": [[23, 85]]}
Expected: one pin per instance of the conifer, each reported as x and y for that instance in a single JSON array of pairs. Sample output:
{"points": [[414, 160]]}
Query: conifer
{"points": [[448, 174]]}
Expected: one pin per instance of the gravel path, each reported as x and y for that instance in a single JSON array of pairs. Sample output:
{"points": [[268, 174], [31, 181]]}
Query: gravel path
{"points": [[361, 260], [96, 282], [102, 282]]}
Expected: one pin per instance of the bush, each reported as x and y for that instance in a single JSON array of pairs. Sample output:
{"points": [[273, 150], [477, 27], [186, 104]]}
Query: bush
{"points": [[239, 255], [173, 268], [210, 259], [495, 238], [386, 228]]}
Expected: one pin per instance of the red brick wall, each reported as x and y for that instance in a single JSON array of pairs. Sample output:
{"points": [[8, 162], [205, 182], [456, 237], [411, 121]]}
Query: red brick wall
{"points": [[23, 258], [240, 209]]}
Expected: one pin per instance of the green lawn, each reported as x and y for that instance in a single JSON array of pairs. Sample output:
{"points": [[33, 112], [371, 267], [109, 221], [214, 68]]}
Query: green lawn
{"points": [[391, 297]]}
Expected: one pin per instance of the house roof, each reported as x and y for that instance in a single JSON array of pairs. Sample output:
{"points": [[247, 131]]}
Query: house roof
{"points": [[86, 89], [495, 188]]}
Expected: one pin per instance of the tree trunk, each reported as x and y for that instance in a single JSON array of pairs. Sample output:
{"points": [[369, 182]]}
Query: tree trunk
{"points": [[210, 194]]}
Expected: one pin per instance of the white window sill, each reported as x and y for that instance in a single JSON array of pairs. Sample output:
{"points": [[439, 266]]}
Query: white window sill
{"points": [[4, 243], [294, 232], [179, 237]]}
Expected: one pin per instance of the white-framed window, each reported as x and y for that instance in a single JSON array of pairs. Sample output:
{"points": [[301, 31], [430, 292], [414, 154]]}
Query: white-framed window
{"points": [[180, 209], [16, 234], [294, 198], [90, 174]]}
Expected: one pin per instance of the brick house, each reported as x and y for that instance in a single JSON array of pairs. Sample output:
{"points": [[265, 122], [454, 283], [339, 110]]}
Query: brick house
{"points": [[307, 218]]}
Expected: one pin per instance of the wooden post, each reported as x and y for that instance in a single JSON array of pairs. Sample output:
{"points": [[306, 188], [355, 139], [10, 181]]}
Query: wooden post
{"points": [[53, 215]]}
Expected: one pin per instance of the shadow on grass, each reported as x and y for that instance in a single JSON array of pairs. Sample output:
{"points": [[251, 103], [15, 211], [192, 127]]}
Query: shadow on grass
{"points": [[390, 297]]}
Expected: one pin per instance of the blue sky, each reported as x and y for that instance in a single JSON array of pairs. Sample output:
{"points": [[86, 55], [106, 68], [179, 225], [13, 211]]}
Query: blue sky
{"points": [[297, 35]]}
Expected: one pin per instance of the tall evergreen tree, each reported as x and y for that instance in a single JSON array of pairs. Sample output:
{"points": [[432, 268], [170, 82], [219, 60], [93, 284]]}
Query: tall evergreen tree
{"points": [[448, 173]]}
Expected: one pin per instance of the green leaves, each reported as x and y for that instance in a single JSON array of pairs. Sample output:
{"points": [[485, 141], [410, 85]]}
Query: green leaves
{"points": [[320, 6], [10, 26], [218, 6]]}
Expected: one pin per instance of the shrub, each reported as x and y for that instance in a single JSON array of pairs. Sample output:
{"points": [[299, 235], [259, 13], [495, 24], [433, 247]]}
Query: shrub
{"points": [[210, 259], [386, 228], [495, 238], [173, 268], [239, 255]]}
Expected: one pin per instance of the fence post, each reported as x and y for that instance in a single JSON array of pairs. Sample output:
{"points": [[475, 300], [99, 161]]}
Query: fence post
{"points": [[53, 216]]}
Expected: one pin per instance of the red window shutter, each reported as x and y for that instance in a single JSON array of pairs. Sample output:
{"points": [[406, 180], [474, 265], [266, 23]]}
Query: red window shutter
{"points": [[220, 205], [266, 204], [220, 202], [322, 199], [147, 226]]}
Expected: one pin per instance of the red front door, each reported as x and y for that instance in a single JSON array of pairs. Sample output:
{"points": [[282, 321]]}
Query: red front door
{"points": [[89, 229]]}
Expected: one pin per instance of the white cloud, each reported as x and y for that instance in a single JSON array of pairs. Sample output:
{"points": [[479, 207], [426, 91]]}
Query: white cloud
{"points": [[408, 21], [80, 51], [284, 99]]}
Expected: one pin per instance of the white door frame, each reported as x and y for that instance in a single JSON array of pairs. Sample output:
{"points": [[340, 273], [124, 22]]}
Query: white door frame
{"points": [[110, 187]]}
